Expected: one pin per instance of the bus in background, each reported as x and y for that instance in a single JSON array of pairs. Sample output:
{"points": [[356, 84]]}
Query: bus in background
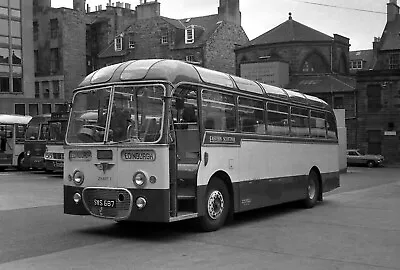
{"points": [[54, 155], [35, 141], [12, 135], [169, 141]]}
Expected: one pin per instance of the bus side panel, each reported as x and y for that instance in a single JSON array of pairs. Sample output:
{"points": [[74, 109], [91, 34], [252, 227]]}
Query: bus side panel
{"points": [[273, 172]]}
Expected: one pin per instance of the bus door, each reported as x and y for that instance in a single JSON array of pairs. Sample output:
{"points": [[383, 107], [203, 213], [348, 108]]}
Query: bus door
{"points": [[185, 116], [6, 144]]}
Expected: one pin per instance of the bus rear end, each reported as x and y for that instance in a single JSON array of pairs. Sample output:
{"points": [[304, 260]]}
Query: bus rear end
{"points": [[117, 159]]}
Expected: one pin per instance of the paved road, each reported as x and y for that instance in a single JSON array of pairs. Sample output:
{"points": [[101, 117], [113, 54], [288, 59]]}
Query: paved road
{"points": [[356, 227]]}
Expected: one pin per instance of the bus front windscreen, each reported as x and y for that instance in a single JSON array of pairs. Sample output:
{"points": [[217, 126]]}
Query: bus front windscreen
{"points": [[136, 115], [32, 132], [57, 130]]}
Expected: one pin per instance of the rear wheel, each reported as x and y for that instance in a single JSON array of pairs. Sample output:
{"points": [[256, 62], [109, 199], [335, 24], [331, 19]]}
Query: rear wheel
{"points": [[370, 163], [217, 205], [313, 190]]}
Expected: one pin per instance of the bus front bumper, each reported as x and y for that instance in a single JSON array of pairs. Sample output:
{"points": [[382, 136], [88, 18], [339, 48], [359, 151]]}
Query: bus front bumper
{"points": [[34, 162], [54, 165], [156, 209]]}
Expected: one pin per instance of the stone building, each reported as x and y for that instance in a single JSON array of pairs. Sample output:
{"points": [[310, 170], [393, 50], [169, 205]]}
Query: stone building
{"points": [[59, 50], [208, 41], [318, 64], [16, 56], [378, 93]]}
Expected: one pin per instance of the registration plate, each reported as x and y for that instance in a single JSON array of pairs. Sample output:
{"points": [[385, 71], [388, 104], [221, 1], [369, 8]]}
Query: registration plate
{"points": [[104, 203], [59, 164]]}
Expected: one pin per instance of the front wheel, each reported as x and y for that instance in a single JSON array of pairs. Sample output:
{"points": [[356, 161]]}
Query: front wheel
{"points": [[313, 190], [20, 163], [217, 205]]}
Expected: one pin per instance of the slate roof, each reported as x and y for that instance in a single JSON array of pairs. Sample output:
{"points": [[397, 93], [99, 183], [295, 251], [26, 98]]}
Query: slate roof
{"points": [[289, 31], [205, 26], [312, 84], [391, 35]]}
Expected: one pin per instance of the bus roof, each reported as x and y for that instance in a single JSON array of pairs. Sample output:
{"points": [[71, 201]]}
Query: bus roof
{"points": [[176, 71], [14, 119]]}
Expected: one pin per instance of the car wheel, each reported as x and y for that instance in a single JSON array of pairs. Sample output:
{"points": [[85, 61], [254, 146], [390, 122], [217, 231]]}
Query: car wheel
{"points": [[313, 190], [217, 205], [370, 164]]}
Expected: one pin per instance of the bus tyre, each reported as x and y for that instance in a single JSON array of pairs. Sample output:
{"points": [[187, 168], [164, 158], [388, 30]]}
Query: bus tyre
{"points": [[20, 163], [217, 205], [313, 190]]}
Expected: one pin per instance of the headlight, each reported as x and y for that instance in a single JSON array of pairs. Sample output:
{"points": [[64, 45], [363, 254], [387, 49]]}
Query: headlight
{"points": [[139, 179], [78, 177], [77, 198], [28, 153], [48, 155]]}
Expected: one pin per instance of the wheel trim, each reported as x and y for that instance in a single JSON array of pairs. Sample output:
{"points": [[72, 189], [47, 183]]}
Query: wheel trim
{"points": [[311, 189], [215, 204]]}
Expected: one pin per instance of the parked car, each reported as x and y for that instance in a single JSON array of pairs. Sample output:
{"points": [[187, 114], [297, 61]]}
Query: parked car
{"points": [[356, 157]]}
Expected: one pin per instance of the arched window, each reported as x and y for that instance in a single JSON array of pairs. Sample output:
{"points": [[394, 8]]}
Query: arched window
{"points": [[314, 63]]}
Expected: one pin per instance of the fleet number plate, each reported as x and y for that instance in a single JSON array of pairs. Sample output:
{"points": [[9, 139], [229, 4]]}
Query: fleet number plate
{"points": [[104, 203]]}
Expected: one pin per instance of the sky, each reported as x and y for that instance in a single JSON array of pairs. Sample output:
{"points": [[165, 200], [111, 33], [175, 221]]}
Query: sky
{"points": [[360, 21]]}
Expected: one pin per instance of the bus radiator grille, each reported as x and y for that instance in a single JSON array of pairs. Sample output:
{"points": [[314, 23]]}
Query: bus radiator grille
{"points": [[121, 198]]}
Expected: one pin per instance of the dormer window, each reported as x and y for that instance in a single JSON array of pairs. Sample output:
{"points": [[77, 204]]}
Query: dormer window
{"points": [[118, 44], [189, 35]]}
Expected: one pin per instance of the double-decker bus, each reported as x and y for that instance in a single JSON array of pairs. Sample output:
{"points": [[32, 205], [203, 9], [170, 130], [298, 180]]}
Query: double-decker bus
{"points": [[54, 155], [35, 141], [12, 134], [168, 141]]}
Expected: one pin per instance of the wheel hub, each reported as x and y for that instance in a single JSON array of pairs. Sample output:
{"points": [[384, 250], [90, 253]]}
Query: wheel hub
{"points": [[215, 204], [311, 189]]}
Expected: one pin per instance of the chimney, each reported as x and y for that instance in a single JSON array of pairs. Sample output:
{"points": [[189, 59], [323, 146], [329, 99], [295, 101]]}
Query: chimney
{"points": [[229, 11], [43, 3], [100, 7], [392, 10], [87, 8], [79, 5], [119, 4], [127, 6], [147, 9]]}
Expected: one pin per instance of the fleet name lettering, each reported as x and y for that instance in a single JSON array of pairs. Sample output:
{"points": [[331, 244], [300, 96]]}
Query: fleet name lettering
{"points": [[104, 178], [221, 139], [139, 155]]}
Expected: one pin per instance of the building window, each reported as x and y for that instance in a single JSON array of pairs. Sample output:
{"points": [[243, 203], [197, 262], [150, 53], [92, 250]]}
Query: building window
{"points": [[35, 31], [131, 43], [394, 61], [19, 109], [315, 63], [16, 57], [36, 61], [189, 58], [46, 91], [356, 64], [189, 35], [46, 108], [4, 84], [33, 109], [56, 89], [54, 60], [37, 90], [374, 98], [338, 102], [118, 44], [17, 85], [53, 28], [61, 107]]}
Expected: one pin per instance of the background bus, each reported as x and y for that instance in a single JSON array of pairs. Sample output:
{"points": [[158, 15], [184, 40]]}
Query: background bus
{"points": [[35, 141], [173, 141], [12, 134], [54, 155]]}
